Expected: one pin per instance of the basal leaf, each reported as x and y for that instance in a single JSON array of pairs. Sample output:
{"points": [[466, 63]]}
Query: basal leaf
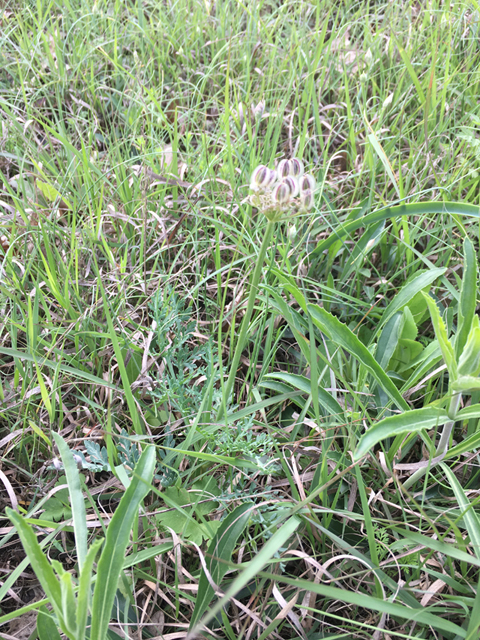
{"points": [[414, 420], [118, 535], [76, 499]]}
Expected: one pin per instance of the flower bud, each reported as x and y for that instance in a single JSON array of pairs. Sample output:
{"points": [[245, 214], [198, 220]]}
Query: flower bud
{"points": [[258, 110], [281, 193], [292, 184], [307, 199], [283, 169], [296, 168], [240, 115], [307, 183], [292, 232], [272, 178], [262, 178]]}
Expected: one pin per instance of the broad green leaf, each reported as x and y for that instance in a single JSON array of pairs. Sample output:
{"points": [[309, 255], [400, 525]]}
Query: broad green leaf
{"points": [[410, 210], [407, 351], [468, 445], [414, 420], [39, 563], [469, 360], [341, 335], [50, 193], [85, 589], [304, 384], [76, 499], [441, 335], [469, 514], [218, 555], [181, 520], [470, 412], [388, 340], [68, 603], [46, 626], [466, 384], [411, 288], [118, 535], [468, 297]]}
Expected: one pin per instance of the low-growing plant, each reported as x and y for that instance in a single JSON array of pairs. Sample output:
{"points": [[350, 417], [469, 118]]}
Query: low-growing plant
{"points": [[72, 600]]}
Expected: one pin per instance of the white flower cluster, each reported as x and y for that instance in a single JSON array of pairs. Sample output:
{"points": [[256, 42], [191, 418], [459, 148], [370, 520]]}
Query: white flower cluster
{"points": [[285, 188]]}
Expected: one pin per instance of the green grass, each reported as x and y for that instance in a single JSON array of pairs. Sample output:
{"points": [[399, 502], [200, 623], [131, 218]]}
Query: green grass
{"points": [[124, 302]]}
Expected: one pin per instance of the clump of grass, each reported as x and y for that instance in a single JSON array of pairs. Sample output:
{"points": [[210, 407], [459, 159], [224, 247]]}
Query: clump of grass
{"points": [[146, 300]]}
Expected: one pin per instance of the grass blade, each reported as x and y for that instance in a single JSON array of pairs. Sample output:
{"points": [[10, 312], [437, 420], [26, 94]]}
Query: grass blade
{"points": [[271, 547], [219, 553], [469, 514], [410, 210]]}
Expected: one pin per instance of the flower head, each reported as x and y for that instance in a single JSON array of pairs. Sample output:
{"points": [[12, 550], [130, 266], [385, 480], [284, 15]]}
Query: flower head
{"points": [[283, 189]]}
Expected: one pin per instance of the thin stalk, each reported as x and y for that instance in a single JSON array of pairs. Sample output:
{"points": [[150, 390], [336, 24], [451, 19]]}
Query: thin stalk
{"points": [[442, 446], [242, 338]]}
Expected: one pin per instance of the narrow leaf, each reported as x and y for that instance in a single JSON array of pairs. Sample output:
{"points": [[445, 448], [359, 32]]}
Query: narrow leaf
{"points": [[358, 599], [84, 589], [118, 534], [253, 568], [76, 499], [408, 422], [302, 383], [442, 337], [468, 297], [218, 554], [345, 338], [410, 210], [38, 561], [469, 515]]}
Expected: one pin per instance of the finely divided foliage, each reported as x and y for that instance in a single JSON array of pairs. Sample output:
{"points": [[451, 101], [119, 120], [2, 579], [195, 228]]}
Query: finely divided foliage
{"points": [[239, 335]]}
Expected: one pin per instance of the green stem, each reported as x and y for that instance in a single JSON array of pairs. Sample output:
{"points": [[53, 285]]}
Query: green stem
{"points": [[442, 447], [242, 338]]}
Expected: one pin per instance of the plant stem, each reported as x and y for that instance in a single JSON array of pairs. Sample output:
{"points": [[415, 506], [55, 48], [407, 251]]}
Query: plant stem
{"points": [[442, 446], [242, 338]]}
